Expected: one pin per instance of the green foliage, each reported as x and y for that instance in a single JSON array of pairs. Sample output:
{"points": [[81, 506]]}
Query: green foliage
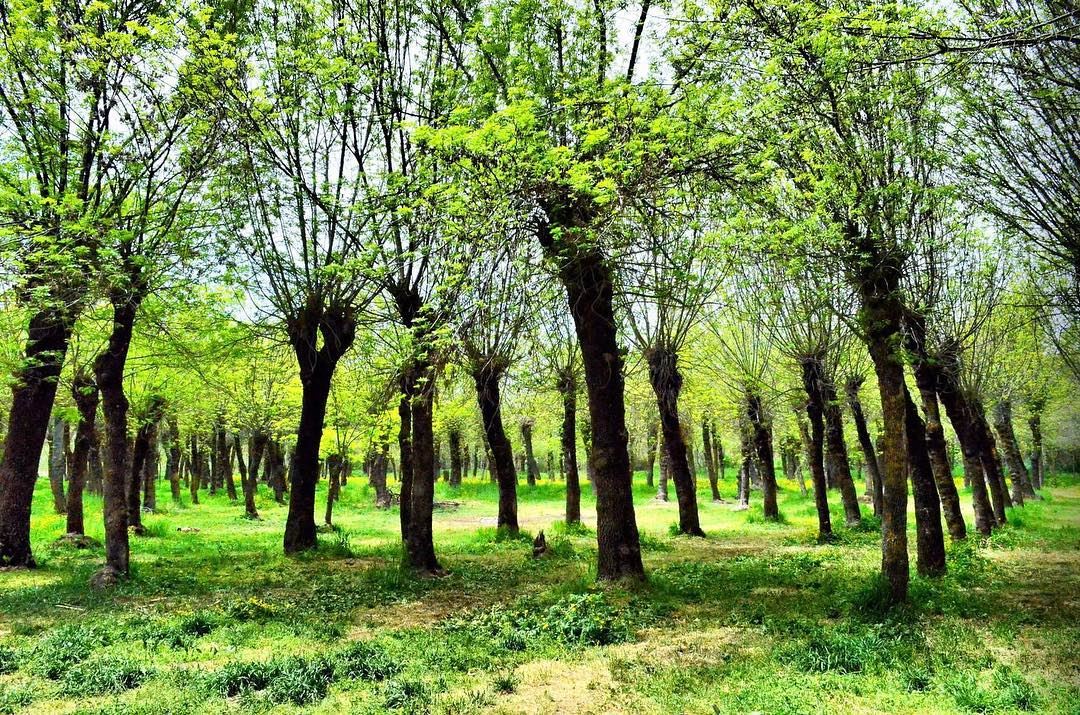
{"points": [[238, 677], [9, 659], [299, 680], [406, 695], [504, 682], [576, 619]]}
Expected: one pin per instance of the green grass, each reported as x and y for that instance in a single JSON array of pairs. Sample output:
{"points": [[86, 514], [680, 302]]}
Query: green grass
{"points": [[756, 617]]}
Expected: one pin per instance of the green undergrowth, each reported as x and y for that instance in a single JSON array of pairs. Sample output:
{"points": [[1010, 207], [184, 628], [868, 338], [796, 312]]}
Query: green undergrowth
{"points": [[756, 616]]}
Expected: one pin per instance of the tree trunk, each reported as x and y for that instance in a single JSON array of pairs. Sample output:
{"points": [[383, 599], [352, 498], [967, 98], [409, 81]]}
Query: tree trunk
{"points": [[173, 460], [959, 412], [420, 546], [865, 443], [334, 466], [85, 393], [836, 451], [586, 277], [991, 460], [762, 441], [32, 395], [876, 277], [58, 463], [746, 449], [665, 468], [531, 469], [652, 443], [304, 466], [377, 475], [250, 482], [930, 541], [710, 462], [1021, 480], [455, 458], [1035, 424], [406, 454], [567, 386], [150, 469], [109, 371], [487, 378], [194, 470], [666, 382], [814, 442], [95, 470], [926, 379]]}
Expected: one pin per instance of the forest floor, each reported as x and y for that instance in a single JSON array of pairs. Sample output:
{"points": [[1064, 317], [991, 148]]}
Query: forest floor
{"points": [[755, 618]]}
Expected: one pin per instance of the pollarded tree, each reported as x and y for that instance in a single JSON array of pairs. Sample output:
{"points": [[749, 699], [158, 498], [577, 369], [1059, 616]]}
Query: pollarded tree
{"points": [[295, 195], [665, 286], [496, 311]]}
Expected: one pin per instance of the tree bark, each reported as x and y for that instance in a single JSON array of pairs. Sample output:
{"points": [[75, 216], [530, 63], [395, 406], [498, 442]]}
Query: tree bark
{"points": [[85, 393], [249, 478], [194, 470], [567, 386], [926, 379], [420, 545], [58, 463], [32, 395], [929, 538], [814, 442], [666, 382], [487, 376], [710, 462], [223, 458], [746, 450], [531, 469], [337, 328], [586, 277], [865, 443], [991, 460], [150, 470], [761, 437], [335, 465], [406, 454], [1035, 425], [455, 458], [959, 412], [109, 372], [836, 451], [1018, 473], [173, 459]]}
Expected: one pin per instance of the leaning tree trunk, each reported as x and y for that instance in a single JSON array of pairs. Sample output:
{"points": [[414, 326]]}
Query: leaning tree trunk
{"points": [[58, 463], [958, 410], [836, 452], [926, 379], [85, 393], [586, 276], [814, 442], [710, 461], [991, 461], [667, 383], [930, 541], [109, 371], [1021, 481], [568, 439], [865, 443], [762, 441], [32, 395], [455, 458], [487, 377], [532, 471]]}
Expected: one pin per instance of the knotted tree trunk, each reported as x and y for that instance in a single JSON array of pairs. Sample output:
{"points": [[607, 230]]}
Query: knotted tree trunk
{"points": [[761, 437], [1021, 480], [815, 443]]}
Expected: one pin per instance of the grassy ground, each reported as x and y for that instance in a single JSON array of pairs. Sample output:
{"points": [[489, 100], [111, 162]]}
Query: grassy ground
{"points": [[755, 618]]}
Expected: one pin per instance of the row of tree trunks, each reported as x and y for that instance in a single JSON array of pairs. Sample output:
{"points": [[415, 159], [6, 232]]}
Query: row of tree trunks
{"points": [[1021, 479]]}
